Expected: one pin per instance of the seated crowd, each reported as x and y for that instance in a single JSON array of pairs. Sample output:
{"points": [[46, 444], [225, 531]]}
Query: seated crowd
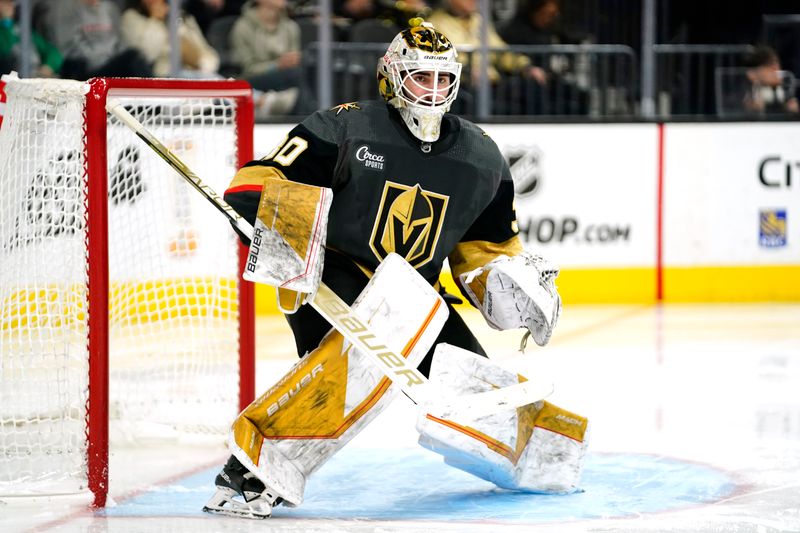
{"points": [[261, 41]]}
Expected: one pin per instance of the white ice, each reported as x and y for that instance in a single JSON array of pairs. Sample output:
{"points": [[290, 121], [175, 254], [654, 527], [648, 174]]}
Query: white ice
{"points": [[682, 398]]}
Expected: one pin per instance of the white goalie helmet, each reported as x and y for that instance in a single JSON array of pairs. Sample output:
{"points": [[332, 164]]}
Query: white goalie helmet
{"points": [[419, 76]]}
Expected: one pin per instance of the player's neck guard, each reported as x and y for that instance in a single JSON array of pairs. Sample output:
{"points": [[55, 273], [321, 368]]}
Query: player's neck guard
{"points": [[424, 124]]}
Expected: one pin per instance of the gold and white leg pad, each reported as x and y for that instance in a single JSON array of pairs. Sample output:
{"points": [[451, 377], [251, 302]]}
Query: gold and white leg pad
{"points": [[332, 393], [536, 448], [288, 245]]}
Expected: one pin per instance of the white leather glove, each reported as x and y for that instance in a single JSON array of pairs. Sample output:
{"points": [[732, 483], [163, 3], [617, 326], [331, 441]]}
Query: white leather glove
{"points": [[519, 291]]}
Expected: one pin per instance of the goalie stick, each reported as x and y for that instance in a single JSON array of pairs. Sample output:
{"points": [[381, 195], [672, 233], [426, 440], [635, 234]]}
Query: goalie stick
{"points": [[342, 317]]}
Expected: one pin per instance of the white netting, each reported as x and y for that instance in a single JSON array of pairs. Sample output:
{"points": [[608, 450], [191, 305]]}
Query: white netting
{"points": [[173, 309], [44, 363]]}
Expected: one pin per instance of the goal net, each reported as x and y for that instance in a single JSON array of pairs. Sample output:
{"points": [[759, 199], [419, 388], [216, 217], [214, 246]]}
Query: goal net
{"points": [[120, 295]]}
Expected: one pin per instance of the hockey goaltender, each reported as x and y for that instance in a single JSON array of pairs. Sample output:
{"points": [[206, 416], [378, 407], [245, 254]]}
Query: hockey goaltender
{"points": [[366, 201]]}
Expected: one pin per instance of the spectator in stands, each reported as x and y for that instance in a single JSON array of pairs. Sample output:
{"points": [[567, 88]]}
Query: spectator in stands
{"points": [[416, 7], [377, 20], [461, 22], [355, 10], [536, 23], [396, 12], [204, 11], [265, 43], [85, 32], [772, 90], [145, 28], [533, 23], [45, 58], [399, 13]]}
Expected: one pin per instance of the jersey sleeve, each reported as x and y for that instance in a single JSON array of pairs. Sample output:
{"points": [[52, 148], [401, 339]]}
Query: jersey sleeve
{"points": [[492, 234], [308, 154]]}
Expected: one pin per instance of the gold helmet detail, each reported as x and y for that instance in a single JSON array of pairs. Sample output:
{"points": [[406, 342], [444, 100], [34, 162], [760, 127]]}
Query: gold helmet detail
{"points": [[419, 76]]}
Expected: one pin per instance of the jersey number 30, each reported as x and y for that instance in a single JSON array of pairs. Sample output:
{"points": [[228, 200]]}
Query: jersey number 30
{"points": [[287, 151]]}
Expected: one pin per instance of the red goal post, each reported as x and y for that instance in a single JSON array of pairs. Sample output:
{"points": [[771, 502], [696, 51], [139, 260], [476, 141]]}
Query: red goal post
{"points": [[2, 101], [121, 296]]}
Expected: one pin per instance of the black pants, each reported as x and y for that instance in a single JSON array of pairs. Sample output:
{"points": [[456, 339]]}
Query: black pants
{"points": [[347, 281]]}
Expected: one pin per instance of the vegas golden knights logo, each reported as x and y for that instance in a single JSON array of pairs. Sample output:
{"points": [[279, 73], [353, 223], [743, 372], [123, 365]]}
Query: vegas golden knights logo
{"points": [[408, 223]]}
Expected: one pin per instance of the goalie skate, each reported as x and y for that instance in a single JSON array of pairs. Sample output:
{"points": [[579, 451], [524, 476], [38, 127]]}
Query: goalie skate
{"points": [[240, 493]]}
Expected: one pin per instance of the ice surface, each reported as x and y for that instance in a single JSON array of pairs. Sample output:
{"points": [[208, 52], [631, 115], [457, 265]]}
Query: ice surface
{"points": [[696, 427]]}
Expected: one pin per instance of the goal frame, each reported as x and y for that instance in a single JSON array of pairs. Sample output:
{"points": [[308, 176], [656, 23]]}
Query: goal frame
{"points": [[96, 161]]}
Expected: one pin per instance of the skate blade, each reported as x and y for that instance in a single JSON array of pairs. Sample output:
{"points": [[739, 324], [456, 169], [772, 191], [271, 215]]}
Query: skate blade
{"points": [[223, 503], [237, 513]]}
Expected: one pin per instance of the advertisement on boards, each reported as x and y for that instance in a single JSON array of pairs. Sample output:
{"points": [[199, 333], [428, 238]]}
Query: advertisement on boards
{"points": [[732, 194], [585, 194]]}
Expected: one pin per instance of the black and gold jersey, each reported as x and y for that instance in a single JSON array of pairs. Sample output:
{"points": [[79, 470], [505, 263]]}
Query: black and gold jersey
{"points": [[393, 193]]}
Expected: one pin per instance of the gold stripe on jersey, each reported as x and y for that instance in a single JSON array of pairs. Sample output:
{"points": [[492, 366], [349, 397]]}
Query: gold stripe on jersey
{"points": [[255, 175], [468, 256]]}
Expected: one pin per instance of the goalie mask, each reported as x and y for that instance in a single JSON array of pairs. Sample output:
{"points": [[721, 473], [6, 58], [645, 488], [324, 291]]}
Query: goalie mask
{"points": [[419, 76]]}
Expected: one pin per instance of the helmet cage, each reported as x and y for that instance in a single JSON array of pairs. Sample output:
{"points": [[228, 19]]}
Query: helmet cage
{"points": [[420, 49], [438, 96]]}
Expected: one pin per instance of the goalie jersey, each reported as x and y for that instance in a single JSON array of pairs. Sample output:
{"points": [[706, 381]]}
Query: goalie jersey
{"points": [[392, 193]]}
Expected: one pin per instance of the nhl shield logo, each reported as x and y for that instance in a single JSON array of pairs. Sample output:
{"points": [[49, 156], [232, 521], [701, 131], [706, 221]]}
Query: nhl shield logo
{"points": [[526, 171], [408, 223]]}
